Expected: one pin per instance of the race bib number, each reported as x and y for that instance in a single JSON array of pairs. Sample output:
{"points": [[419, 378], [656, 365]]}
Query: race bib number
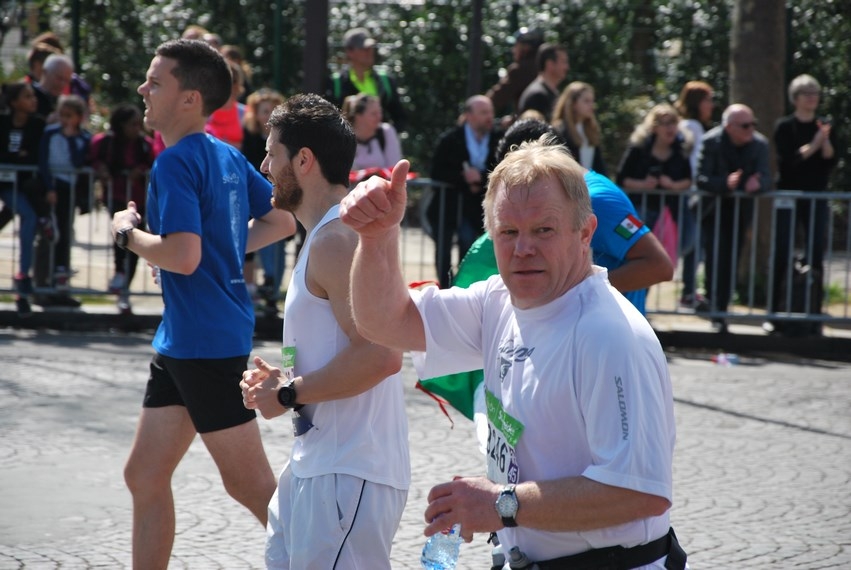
{"points": [[301, 423], [504, 432], [288, 362]]}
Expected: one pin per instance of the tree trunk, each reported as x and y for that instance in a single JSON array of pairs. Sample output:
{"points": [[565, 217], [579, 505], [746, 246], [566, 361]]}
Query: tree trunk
{"points": [[757, 48], [474, 70], [643, 43], [315, 55]]}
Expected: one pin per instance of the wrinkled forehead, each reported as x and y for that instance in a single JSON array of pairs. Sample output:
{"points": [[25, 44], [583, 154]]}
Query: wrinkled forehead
{"points": [[542, 194]]}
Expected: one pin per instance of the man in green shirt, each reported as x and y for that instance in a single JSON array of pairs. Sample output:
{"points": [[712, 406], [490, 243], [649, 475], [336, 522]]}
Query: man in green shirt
{"points": [[359, 75]]}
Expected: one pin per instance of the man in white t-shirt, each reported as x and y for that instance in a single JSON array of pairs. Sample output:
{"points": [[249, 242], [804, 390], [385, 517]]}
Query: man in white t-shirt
{"points": [[341, 496], [580, 409]]}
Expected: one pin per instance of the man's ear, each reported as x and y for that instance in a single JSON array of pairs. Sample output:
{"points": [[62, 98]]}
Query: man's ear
{"points": [[192, 97], [588, 229], [304, 160]]}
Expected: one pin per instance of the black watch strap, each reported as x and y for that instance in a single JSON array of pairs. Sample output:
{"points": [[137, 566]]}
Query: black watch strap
{"points": [[507, 506], [122, 236]]}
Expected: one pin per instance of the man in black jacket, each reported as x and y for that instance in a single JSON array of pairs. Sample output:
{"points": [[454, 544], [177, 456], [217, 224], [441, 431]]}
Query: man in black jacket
{"points": [[360, 75], [463, 157], [733, 161], [541, 94], [519, 74]]}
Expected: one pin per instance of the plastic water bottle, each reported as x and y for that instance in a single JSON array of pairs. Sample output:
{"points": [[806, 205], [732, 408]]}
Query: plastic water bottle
{"points": [[441, 550]]}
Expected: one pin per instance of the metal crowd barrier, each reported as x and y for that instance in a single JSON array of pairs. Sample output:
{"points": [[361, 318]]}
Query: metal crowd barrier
{"points": [[760, 225], [92, 256], [767, 244], [89, 215]]}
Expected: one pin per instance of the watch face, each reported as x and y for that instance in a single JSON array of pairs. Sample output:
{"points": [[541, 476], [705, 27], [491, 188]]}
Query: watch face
{"points": [[286, 396], [506, 505]]}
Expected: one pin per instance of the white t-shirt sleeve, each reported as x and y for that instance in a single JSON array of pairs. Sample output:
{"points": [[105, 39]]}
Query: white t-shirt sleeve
{"points": [[452, 320], [625, 396]]}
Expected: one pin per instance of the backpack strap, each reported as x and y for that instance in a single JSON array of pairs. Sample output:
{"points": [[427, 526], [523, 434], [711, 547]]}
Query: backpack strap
{"points": [[384, 80], [379, 136]]}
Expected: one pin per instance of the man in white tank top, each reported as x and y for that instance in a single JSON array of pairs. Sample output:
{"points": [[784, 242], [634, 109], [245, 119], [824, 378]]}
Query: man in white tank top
{"points": [[344, 393]]}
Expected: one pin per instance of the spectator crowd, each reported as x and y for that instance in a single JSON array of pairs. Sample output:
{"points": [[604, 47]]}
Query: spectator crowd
{"points": [[676, 148]]}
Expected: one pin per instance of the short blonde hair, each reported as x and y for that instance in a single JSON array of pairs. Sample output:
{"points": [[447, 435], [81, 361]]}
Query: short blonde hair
{"points": [[532, 161]]}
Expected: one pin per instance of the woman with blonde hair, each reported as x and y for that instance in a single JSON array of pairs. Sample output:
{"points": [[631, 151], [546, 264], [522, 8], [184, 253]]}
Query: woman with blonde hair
{"points": [[574, 120], [658, 154], [658, 158]]}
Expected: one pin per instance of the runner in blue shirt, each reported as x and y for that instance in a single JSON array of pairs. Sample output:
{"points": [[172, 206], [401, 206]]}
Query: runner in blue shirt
{"points": [[201, 197]]}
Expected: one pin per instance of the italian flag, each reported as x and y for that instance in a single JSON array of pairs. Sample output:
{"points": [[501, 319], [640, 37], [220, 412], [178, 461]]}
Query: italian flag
{"points": [[628, 226]]}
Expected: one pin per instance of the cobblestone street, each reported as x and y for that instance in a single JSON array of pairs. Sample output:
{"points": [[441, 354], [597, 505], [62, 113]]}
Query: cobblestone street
{"points": [[762, 465]]}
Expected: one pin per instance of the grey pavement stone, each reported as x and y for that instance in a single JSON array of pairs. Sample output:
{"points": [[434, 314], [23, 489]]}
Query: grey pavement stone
{"points": [[761, 471]]}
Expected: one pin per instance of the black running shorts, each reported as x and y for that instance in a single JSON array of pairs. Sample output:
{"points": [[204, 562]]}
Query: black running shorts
{"points": [[208, 388]]}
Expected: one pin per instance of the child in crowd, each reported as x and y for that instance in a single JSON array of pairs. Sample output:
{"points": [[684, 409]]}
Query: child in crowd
{"points": [[64, 149], [20, 132], [122, 158]]}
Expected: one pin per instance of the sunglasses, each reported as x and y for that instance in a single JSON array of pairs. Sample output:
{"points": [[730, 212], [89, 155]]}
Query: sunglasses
{"points": [[747, 126]]}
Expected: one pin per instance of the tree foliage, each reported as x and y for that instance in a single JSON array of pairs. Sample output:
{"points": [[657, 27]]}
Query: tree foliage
{"points": [[426, 47]]}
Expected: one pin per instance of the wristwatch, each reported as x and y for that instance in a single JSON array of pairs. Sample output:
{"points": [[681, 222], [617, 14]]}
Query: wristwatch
{"points": [[286, 396], [122, 236], [507, 505]]}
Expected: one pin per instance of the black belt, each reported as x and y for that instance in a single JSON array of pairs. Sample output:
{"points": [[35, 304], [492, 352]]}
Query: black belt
{"points": [[620, 558]]}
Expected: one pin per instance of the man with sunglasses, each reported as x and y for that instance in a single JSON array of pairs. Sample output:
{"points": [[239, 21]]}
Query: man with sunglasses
{"points": [[733, 164]]}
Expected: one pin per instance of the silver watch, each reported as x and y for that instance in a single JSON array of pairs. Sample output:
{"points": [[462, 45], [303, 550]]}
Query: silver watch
{"points": [[507, 505]]}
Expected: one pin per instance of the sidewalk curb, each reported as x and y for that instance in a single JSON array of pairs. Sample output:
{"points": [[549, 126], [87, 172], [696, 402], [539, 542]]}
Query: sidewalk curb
{"points": [[90, 319]]}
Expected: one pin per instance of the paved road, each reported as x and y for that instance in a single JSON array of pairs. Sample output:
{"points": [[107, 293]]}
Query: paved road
{"points": [[762, 469]]}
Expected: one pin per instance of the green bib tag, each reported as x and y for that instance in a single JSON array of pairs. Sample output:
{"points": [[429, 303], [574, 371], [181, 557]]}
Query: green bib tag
{"points": [[288, 361], [504, 432]]}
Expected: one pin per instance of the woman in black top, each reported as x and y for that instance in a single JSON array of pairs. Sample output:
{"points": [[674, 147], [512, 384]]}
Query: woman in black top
{"points": [[658, 159], [806, 155]]}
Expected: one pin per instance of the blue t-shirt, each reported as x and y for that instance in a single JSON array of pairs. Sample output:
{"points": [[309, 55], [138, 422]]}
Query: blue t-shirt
{"points": [[206, 187], [618, 228]]}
